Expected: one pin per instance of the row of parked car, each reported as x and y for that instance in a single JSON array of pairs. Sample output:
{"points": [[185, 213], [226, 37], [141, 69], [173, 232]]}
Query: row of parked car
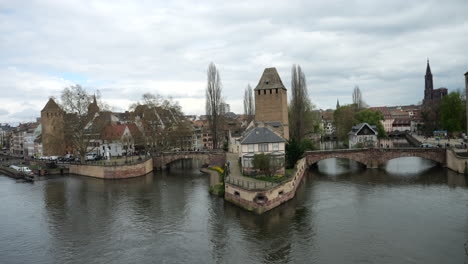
{"points": [[70, 158]]}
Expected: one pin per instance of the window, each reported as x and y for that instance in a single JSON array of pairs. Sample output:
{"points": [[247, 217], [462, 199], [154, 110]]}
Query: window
{"points": [[251, 148], [263, 147], [275, 146], [276, 90], [271, 91], [258, 92], [247, 163], [264, 91]]}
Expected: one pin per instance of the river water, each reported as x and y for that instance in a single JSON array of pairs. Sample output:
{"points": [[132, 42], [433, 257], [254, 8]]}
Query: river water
{"points": [[407, 212]]}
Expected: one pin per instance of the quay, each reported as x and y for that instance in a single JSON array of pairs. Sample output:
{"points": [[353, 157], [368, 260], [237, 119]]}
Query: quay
{"points": [[261, 196]]}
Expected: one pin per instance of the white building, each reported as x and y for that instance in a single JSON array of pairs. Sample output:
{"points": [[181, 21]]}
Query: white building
{"points": [[117, 140], [261, 140], [363, 135]]}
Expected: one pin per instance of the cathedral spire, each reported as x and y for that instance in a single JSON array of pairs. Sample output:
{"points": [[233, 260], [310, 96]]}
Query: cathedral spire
{"points": [[337, 103], [428, 68]]}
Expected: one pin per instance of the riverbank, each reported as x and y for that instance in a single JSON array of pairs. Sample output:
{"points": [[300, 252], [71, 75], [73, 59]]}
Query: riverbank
{"points": [[113, 171], [260, 196]]}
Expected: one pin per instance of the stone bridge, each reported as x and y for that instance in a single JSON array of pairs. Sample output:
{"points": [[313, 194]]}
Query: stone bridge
{"points": [[376, 157], [213, 158]]}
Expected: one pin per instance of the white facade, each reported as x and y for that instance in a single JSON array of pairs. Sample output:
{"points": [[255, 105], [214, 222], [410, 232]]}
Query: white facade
{"points": [[117, 147], [362, 135], [388, 124]]}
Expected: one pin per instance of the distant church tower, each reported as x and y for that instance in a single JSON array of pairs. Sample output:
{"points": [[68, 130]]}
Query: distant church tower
{"points": [[337, 104], [52, 122], [271, 102], [429, 85]]}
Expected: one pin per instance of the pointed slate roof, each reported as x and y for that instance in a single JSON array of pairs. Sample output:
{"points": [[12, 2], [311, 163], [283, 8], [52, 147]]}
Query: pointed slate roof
{"points": [[261, 135], [270, 80], [355, 129], [51, 106], [428, 69]]}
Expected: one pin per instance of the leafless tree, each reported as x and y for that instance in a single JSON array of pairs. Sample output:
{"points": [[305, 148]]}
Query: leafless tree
{"points": [[357, 98], [160, 122], [300, 103], [82, 128], [214, 101], [249, 104]]}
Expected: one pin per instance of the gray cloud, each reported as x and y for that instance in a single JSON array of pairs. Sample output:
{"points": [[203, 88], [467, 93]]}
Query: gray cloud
{"points": [[126, 48]]}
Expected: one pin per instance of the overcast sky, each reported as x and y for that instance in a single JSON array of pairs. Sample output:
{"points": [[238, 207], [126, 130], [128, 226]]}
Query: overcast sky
{"points": [[128, 48]]}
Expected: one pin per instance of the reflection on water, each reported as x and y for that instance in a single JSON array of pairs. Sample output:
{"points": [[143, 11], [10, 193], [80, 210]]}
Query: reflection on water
{"points": [[407, 212]]}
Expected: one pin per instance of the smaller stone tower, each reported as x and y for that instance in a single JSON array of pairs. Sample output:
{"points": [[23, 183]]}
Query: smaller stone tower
{"points": [[271, 101], [52, 121]]}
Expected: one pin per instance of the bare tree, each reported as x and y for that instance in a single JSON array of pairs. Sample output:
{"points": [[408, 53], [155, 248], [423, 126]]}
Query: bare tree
{"points": [[159, 121], [214, 101], [82, 127], [357, 98], [249, 104], [300, 103]]}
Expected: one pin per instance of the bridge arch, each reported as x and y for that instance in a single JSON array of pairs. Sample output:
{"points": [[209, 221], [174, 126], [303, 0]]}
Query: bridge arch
{"points": [[164, 159], [315, 161], [437, 155], [376, 157]]}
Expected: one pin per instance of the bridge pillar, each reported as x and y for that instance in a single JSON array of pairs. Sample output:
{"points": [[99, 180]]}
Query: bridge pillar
{"points": [[372, 164]]}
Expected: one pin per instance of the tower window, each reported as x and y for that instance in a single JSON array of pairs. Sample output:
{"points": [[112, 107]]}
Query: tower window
{"points": [[258, 92], [264, 91], [271, 91], [276, 90]]}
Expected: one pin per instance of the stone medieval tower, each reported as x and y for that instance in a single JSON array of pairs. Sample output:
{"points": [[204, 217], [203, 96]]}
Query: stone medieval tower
{"points": [[271, 101], [52, 121]]}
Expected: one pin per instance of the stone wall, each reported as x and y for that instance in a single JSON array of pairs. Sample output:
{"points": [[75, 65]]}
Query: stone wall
{"points": [[412, 140], [113, 172], [262, 201], [456, 162], [375, 157], [211, 158]]}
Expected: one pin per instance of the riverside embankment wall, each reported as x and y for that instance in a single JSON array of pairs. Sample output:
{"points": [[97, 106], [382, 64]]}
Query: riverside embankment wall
{"points": [[456, 162], [260, 201], [113, 172]]}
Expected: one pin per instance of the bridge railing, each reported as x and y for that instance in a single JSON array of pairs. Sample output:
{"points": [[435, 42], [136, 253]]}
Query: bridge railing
{"points": [[249, 185], [162, 153], [378, 149]]}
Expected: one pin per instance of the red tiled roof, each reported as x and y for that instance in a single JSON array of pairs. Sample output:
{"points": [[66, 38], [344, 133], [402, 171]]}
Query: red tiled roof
{"points": [[327, 116], [384, 110], [113, 132]]}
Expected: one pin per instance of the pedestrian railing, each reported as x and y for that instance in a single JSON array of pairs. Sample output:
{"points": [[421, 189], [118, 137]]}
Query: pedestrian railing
{"points": [[250, 185]]}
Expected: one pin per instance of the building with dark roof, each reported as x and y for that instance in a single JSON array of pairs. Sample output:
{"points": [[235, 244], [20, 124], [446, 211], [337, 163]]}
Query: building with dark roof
{"points": [[363, 135], [261, 140]]}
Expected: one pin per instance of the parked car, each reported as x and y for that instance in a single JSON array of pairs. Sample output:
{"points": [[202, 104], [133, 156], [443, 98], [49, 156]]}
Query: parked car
{"points": [[91, 156]]}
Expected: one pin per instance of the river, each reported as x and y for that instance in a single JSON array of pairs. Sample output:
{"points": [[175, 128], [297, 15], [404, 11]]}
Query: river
{"points": [[409, 212]]}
